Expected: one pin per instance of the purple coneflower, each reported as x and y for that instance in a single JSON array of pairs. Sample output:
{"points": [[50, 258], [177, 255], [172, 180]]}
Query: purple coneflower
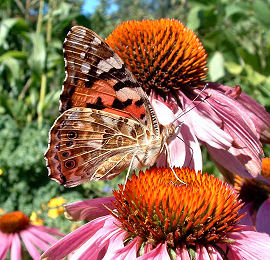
{"points": [[170, 63], [256, 195], [15, 228], [153, 217]]}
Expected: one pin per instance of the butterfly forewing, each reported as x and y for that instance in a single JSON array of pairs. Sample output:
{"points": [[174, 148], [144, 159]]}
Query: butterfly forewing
{"points": [[96, 77]]}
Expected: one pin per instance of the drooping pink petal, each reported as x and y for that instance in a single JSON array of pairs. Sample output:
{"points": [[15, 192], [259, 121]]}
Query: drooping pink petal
{"points": [[6, 241], [29, 245], [226, 161], [43, 235], [130, 250], [250, 244], [73, 240], [200, 119], [89, 209], [53, 231], [182, 253], [263, 217], [115, 243], [236, 122], [247, 219], [256, 111], [15, 252], [101, 239], [35, 240], [158, 253], [183, 146], [201, 253]]}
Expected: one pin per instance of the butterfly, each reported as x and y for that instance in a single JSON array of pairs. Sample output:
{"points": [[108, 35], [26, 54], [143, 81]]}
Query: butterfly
{"points": [[107, 123]]}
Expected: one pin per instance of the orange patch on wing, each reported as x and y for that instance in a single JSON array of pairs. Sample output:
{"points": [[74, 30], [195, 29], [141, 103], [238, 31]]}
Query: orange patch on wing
{"points": [[117, 112]]}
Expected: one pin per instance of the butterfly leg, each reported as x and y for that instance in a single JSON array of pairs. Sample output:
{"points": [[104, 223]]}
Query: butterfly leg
{"points": [[129, 169], [170, 164]]}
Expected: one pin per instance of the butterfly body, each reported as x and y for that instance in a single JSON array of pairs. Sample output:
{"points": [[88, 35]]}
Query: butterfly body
{"points": [[107, 121]]}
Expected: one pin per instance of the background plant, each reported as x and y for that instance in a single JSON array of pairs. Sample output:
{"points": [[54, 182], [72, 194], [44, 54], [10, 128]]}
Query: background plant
{"points": [[234, 33]]}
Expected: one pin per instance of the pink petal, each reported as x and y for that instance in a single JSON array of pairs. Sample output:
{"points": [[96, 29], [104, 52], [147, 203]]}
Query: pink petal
{"points": [[159, 253], [130, 250], [52, 231], [201, 119], [263, 217], [247, 146], [110, 233], [183, 151], [89, 209], [75, 239], [29, 245], [250, 244], [182, 253], [36, 241], [15, 253], [6, 241], [256, 112], [42, 235], [115, 243], [247, 219], [227, 162]]}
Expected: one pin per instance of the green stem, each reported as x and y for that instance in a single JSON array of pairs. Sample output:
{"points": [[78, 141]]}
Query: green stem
{"points": [[42, 98], [40, 16]]}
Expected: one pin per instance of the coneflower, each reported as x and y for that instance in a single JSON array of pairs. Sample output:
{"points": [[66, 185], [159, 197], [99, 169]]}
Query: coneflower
{"points": [[170, 63], [156, 217]]}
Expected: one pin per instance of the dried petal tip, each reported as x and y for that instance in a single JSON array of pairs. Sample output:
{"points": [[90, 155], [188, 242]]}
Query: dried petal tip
{"points": [[13, 222], [162, 54], [156, 208]]}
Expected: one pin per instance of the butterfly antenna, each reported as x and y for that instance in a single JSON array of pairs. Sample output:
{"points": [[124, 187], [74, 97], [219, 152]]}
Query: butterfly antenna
{"points": [[192, 102], [129, 170], [170, 164]]}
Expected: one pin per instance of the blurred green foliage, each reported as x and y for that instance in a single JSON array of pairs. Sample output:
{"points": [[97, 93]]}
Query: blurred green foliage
{"points": [[234, 33]]}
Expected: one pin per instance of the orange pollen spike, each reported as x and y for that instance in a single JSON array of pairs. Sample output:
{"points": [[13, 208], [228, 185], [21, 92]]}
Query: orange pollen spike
{"points": [[266, 167], [157, 208], [13, 222], [172, 53]]}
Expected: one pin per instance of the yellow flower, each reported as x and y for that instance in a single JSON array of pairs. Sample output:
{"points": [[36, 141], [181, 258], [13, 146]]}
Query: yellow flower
{"points": [[1, 171], [35, 220], [56, 202], [1, 211], [54, 213]]}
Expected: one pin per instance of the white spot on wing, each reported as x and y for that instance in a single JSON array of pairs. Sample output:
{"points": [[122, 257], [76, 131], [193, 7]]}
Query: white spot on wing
{"points": [[85, 67], [112, 62], [85, 46], [82, 54]]}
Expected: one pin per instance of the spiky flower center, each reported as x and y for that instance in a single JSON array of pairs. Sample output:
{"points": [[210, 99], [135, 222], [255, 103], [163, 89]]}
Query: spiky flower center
{"points": [[162, 54], [13, 222], [155, 207], [252, 190]]}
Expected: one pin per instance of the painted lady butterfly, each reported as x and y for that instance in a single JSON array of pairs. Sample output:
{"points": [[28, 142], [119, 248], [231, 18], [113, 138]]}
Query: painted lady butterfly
{"points": [[108, 123]]}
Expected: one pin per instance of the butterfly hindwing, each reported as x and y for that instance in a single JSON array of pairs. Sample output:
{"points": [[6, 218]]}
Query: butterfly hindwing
{"points": [[88, 144]]}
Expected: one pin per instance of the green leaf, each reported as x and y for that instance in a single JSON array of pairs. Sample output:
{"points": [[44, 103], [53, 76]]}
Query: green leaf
{"points": [[13, 66], [13, 54], [37, 56], [233, 68], [262, 12], [5, 27], [193, 19], [216, 66]]}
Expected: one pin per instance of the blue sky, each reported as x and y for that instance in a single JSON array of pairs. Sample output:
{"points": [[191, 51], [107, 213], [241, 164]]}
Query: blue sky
{"points": [[89, 6]]}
